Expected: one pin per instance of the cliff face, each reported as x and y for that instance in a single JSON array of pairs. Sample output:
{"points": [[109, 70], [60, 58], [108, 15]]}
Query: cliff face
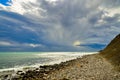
{"points": [[112, 51]]}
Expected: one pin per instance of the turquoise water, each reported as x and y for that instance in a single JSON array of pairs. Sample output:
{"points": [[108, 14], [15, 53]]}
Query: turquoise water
{"points": [[21, 59], [15, 59]]}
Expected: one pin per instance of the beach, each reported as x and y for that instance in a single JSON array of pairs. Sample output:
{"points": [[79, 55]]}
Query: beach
{"points": [[103, 65], [59, 39], [88, 67], [21, 62]]}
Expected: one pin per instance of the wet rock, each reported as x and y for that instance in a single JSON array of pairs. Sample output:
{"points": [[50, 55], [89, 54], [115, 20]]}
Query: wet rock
{"points": [[6, 76], [20, 73], [46, 66]]}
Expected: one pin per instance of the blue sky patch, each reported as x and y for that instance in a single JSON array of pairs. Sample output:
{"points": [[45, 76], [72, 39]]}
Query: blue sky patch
{"points": [[5, 2]]}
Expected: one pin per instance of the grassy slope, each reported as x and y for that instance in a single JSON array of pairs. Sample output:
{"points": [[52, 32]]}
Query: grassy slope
{"points": [[112, 51]]}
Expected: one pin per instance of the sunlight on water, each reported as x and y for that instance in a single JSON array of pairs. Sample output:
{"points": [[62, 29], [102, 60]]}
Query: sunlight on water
{"points": [[20, 59]]}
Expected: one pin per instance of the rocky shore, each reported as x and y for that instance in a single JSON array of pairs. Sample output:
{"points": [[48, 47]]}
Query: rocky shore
{"points": [[90, 67], [100, 66]]}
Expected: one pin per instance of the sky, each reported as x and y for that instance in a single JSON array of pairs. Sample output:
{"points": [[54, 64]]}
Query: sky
{"points": [[5, 2], [58, 25]]}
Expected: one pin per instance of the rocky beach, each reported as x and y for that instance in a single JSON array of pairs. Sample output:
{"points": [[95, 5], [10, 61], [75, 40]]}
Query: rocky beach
{"points": [[89, 67], [59, 39]]}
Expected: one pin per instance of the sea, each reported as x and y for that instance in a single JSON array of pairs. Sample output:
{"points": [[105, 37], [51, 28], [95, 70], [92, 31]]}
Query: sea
{"points": [[19, 60]]}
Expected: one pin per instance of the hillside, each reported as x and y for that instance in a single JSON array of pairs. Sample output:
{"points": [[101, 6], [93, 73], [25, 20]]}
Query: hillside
{"points": [[112, 51]]}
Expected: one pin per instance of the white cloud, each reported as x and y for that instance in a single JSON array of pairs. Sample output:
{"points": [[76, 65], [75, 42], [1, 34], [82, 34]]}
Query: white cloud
{"points": [[4, 43], [66, 21], [28, 45], [110, 11], [16, 44], [24, 6], [34, 45]]}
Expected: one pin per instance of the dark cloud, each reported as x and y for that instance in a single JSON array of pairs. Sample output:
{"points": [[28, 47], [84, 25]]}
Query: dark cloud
{"points": [[56, 26]]}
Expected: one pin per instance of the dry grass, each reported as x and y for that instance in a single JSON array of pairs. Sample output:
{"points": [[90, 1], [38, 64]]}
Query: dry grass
{"points": [[112, 52]]}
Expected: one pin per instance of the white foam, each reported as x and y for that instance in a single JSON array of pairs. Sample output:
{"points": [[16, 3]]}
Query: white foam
{"points": [[55, 58], [58, 57]]}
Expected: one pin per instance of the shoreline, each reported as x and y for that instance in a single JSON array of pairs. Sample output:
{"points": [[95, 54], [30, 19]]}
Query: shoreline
{"points": [[89, 67], [49, 55], [13, 72]]}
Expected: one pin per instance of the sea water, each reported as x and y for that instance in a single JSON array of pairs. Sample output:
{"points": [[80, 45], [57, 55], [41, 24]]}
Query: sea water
{"points": [[14, 60]]}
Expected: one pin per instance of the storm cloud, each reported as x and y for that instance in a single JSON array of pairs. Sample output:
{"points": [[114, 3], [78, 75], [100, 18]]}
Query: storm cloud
{"points": [[56, 25]]}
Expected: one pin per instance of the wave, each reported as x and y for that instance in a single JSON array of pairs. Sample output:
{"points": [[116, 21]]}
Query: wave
{"points": [[53, 58]]}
